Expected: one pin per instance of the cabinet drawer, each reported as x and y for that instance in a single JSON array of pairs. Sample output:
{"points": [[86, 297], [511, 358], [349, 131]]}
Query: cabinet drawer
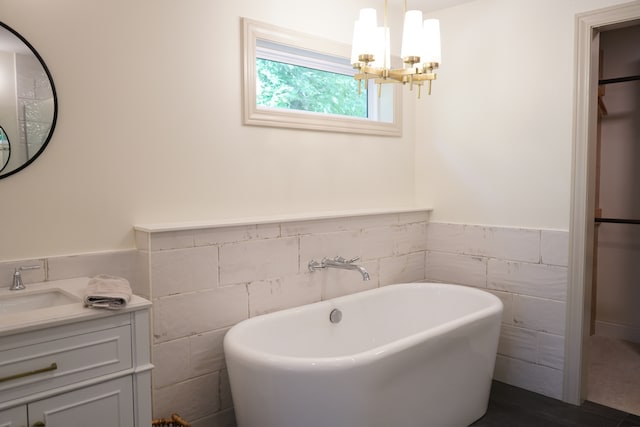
{"points": [[42, 366], [109, 404]]}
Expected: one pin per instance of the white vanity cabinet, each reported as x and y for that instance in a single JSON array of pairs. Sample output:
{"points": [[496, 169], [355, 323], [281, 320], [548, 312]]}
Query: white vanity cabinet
{"points": [[94, 371]]}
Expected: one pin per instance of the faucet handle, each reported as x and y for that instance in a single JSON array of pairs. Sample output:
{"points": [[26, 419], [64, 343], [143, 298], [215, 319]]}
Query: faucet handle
{"points": [[352, 260], [17, 284], [314, 265]]}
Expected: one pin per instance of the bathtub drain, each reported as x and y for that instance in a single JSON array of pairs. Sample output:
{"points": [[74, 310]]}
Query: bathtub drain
{"points": [[335, 316]]}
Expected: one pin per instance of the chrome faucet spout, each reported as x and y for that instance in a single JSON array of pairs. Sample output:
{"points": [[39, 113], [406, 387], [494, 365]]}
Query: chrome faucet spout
{"points": [[339, 263]]}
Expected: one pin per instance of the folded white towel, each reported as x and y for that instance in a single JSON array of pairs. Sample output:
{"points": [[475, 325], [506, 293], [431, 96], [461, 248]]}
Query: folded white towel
{"points": [[104, 291]]}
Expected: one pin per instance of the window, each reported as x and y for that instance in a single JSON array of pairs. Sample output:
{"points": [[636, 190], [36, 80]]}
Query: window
{"points": [[291, 78], [299, 81]]}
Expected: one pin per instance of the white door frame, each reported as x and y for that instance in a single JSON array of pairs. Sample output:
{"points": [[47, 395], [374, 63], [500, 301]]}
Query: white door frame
{"points": [[581, 230]]}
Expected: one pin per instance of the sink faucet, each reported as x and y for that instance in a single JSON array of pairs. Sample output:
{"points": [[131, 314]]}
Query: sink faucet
{"points": [[340, 263], [17, 284]]}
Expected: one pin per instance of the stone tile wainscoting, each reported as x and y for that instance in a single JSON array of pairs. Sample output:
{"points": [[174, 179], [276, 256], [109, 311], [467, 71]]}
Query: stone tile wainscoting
{"points": [[204, 279], [527, 270]]}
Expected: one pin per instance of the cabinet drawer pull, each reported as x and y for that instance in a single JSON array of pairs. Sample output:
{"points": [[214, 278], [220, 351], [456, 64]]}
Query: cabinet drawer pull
{"points": [[53, 367]]}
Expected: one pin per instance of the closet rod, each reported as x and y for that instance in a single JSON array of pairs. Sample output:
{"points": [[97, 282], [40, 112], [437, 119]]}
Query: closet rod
{"points": [[618, 80], [618, 220]]}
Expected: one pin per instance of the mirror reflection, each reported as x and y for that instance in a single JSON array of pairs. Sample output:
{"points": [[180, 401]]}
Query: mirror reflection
{"points": [[28, 105], [5, 149]]}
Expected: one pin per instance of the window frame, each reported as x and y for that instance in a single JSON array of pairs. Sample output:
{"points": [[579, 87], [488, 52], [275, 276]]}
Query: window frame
{"points": [[277, 117]]}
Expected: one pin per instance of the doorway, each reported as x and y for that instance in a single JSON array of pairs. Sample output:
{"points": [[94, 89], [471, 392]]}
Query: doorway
{"points": [[613, 376], [580, 302]]}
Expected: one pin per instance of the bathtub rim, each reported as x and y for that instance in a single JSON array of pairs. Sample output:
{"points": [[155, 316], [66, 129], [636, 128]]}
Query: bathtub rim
{"points": [[293, 363]]}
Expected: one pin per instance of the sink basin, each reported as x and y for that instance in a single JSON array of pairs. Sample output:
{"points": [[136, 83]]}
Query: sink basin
{"points": [[21, 301]]}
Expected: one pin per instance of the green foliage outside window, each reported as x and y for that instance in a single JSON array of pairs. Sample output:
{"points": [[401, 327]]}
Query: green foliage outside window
{"points": [[293, 87]]}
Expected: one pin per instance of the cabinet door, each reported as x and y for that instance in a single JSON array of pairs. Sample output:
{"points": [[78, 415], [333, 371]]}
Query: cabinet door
{"points": [[14, 417], [109, 404]]}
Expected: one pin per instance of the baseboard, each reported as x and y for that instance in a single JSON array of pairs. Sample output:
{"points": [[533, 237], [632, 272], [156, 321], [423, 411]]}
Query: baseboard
{"points": [[618, 331]]}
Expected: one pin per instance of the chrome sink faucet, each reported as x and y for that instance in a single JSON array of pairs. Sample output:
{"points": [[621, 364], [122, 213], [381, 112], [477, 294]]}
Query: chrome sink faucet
{"points": [[340, 263], [17, 284]]}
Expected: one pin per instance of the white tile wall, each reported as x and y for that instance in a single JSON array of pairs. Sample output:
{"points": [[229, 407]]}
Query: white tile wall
{"points": [[186, 314], [206, 353], [236, 234], [203, 281], [456, 268], [270, 295], [176, 354], [551, 350], [258, 259], [179, 271], [531, 376], [316, 227], [554, 247], [518, 343], [168, 240], [196, 398], [347, 244], [522, 278], [493, 242], [402, 269], [527, 270], [539, 314]]}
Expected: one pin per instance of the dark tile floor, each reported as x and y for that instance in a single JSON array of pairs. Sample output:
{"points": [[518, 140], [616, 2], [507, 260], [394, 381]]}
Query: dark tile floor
{"points": [[514, 407]]}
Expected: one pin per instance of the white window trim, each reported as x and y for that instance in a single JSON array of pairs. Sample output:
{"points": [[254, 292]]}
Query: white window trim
{"points": [[290, 57], [261, 116]]}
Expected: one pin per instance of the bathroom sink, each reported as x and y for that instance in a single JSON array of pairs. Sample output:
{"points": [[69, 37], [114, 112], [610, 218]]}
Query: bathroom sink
{"points": [[22, 301]]}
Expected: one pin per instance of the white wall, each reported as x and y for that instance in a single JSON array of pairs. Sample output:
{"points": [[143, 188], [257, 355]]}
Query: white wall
{"points": [[494, 139], [149, 127]]}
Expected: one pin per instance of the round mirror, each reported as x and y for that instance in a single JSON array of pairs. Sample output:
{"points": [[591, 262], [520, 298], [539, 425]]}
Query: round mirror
{"points": [[28, 103]]}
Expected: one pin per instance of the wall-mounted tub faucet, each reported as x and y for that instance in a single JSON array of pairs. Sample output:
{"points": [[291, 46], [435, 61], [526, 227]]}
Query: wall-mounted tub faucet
{"points": [[17, 284], [340, 263]]}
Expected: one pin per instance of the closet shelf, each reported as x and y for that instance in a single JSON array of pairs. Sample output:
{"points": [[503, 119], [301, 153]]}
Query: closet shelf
{"points": [[618, 80], [618, 220]]}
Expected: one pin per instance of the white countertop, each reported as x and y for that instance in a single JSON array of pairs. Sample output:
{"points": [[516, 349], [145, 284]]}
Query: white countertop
{"points": [[13, 323]]}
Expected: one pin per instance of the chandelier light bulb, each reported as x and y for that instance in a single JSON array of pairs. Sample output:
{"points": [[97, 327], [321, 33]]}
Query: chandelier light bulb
{"points": [[412, 35], [432, 50], [364, 35]]}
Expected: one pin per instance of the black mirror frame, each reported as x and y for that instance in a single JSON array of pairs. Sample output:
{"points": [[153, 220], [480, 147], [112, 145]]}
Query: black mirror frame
{"points": [[55, 103]]}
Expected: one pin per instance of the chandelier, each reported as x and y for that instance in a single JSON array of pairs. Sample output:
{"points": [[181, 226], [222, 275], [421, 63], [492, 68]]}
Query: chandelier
{"points": [[371, 57]]}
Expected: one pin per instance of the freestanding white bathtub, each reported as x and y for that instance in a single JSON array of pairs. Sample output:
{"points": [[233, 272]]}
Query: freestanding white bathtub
{"points": [[407, 355]]}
